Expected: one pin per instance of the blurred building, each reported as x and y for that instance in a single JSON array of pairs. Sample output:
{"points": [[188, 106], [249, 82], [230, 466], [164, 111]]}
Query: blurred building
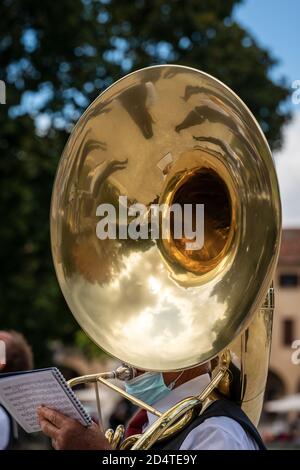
{"points": [[284, 375]]}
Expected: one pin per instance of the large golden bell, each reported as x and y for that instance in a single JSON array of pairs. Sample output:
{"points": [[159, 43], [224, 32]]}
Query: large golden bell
{"points": [[166, 134]]}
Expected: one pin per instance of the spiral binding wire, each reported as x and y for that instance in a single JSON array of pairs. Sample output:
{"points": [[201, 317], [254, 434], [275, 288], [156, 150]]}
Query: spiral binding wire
{"points": [[86, 417]]}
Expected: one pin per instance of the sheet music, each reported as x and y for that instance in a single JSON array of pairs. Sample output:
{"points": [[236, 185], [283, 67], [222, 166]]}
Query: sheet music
{"points": [[21, 395]]}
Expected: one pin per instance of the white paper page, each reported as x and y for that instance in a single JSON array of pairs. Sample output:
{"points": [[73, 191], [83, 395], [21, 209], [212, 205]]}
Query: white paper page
{"points": [[22, 394]]}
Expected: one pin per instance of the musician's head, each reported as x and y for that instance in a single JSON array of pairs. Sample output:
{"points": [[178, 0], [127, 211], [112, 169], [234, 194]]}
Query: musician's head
{"points": [[18, 353], [153, 386]]}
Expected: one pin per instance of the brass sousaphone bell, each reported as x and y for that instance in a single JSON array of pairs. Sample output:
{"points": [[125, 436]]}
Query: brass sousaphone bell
{"points": [[160, 136]]}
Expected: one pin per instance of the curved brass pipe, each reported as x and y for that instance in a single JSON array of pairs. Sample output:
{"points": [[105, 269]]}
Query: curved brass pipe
{"points": [[168, 423]]}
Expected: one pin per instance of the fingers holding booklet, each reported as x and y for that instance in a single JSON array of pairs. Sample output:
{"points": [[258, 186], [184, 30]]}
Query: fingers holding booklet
{"points": [[68, 434], [22, 393], [41, 400]]}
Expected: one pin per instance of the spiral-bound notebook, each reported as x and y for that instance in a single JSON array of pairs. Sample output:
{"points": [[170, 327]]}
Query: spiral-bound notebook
{"points": [[21, 393]]}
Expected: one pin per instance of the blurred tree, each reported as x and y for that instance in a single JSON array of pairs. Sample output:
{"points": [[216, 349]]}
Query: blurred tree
{"points": [[55, 59]]}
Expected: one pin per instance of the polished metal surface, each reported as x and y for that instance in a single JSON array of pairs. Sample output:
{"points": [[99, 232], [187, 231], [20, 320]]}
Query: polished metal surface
{"points": [[165, 134], [250, 354]]}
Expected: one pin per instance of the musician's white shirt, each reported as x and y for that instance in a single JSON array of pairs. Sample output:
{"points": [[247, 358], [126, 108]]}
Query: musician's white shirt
{"points": [[4, 429], [214, 433]]}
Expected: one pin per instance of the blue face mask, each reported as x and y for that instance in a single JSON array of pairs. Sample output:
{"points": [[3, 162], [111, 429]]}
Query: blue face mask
{"points": [[149, 387]]}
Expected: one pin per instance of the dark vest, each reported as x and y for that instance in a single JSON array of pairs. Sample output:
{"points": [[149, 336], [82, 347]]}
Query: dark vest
{"points": [[221, 407]]}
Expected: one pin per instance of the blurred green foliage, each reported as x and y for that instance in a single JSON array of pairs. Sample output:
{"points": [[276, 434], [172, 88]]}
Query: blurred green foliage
{"points": [[55, 59], [86, 346]]}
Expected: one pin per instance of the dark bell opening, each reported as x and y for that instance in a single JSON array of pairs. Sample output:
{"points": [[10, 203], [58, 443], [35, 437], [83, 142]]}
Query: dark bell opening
{"points": [[206, 187]]}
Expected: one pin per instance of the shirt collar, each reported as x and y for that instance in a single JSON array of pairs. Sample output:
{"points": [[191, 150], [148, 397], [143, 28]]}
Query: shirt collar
{"points": [[191, 388]]}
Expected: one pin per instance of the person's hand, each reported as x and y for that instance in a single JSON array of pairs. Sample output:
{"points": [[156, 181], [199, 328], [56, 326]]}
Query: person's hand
{"points": [[68, 434]]}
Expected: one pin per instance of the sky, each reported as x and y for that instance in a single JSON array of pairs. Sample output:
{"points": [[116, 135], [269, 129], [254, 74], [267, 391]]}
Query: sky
{"points": [[275, 25]]}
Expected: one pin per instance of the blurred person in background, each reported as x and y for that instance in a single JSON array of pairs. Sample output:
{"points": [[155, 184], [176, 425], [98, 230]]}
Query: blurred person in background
{"points": [[18, 357]]}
